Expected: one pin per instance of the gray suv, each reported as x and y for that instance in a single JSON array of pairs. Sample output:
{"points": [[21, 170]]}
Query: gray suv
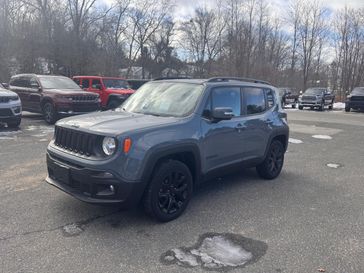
{"points": [[168, 137], [10, 108]]}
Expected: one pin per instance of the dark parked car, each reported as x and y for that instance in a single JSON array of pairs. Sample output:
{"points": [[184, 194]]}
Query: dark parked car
{"points": [[167, 138], [10, 108], [288, 97], [355, 100], [317, 97], [54, 96]]}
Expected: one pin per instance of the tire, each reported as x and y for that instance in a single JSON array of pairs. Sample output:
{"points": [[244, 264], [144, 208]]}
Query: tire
{"points": [[322, 107], [347, 109], [272, 165], [169, 191], [300, 107], [294, 105], [113, 104], [14, 124], [49, 113]]}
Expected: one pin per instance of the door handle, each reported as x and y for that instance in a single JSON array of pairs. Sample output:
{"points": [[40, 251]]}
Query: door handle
{"points": [[240, 127]]}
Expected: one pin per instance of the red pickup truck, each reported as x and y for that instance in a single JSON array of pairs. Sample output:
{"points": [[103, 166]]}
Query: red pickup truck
{"points": [[112, 91]]}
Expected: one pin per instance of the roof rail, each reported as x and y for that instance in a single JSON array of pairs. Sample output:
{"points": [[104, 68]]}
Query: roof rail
{"points": [[225, 79], [171, 78]]}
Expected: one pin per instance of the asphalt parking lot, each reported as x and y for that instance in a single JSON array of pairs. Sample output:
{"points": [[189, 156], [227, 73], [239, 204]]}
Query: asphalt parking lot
{"points": [[311, 218]]}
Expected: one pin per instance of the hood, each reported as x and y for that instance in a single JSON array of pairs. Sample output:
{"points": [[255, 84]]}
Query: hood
{"points": [[7, 93], [114, 123], [120, 91], [78, 92]]}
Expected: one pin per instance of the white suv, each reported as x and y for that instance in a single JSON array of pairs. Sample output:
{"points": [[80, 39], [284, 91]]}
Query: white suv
{"points": [[10, 108]]}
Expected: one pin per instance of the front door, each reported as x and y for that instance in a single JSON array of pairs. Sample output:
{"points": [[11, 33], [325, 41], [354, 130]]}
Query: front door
{"points": [[223, 141]]}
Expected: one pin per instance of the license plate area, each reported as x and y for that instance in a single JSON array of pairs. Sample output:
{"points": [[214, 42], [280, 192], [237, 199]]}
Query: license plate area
{"points": [[61, 173]]}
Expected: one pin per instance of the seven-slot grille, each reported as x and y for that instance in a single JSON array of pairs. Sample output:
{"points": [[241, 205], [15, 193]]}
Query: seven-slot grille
{"points": [[84, 98], [74, 141]]}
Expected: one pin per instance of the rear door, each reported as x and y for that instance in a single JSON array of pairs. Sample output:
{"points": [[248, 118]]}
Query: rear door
{"points": [[257, 106], [34, 96]]}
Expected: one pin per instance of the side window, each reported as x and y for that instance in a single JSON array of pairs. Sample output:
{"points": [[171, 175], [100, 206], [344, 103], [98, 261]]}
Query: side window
{"points": [[85, 83], [33, 83], [96, 84], [14, 82], [270, 97], [227, 97], [254, 100]]}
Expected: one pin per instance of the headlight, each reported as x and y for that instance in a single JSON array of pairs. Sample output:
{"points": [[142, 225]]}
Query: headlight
{"points": [[109, 145]]}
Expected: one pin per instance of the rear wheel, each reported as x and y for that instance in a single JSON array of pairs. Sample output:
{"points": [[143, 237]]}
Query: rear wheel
{"points": [[169, 191], [294, 104], [49, 113], [273, 163], [300, 107], [322, 106], [347, 109]]}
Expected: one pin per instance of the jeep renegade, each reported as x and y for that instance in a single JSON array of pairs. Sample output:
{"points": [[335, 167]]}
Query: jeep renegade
{"points": [[165, 139]]}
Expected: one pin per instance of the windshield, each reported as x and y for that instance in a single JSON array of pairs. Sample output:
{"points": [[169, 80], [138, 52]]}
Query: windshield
{"points": [[115, 83], [58, 83], [314, 91], [358, 91], [164, 99]]}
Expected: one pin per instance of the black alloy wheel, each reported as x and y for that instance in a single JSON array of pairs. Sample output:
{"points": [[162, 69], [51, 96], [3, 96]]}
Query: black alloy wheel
{"points": [[169, 191], [273, 163]]}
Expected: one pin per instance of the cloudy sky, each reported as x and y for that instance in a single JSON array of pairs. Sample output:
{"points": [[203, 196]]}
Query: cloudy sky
{"points": [[185, 8]]}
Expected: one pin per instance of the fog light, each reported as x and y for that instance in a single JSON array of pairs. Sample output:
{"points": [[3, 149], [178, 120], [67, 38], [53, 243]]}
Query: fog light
{"points": [[70, 112], [112, 189]]}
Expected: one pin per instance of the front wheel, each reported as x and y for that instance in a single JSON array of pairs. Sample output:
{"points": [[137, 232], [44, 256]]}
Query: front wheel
{"points": [[169, 191], [49, 113], [347, 109], [300, 107], [273, 163]]}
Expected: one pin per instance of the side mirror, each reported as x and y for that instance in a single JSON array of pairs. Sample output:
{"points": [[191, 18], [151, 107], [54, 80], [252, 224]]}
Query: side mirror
{"points": [[6, 85], [222, 113]]}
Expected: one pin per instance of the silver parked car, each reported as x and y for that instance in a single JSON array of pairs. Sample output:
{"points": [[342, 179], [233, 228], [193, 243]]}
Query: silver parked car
{"points": [[10, 108]]}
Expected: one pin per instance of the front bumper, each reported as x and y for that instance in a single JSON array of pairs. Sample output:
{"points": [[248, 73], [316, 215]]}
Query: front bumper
{"points": [[92, 186], [10, 112], [310, 103]]}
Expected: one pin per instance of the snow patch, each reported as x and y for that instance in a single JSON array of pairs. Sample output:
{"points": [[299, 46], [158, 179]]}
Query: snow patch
{"points": [[322, 136], [339, 105], [333, 165], [295, 141], [217, 251]]}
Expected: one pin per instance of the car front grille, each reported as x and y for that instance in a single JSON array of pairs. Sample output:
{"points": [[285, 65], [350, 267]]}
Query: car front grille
{"points": [[7, 99], [6, 112], [74, 141], [357, 98], [309, 98], [84, 98]]}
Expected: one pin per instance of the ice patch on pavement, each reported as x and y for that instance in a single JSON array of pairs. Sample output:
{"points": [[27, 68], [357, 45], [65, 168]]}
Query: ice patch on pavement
{"points": [[40, 130], [322, 136], [295, 141], [72, 230], [333, 165], [9, 135], [217, 251]]}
